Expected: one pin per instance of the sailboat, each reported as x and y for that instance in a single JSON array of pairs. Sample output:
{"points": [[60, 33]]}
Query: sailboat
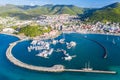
{"points": [[62, 41], [113, 41], [87, 67], [107, 38]]}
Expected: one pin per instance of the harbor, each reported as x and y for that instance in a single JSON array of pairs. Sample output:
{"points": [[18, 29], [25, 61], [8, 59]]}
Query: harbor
{"points": [[55, 68]]}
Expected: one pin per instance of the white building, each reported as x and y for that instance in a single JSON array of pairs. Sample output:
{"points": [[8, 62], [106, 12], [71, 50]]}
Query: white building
{"points": [[8, 30]]}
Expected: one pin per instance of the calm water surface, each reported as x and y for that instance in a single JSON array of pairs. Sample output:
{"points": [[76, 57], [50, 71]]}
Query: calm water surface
{"points": [[86, 50]]}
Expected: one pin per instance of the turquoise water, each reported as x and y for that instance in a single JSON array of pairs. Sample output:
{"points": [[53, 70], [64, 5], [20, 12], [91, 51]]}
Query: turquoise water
{"points": [[86, 50]]}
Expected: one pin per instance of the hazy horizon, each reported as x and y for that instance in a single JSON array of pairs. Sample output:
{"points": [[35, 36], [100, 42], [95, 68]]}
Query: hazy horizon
{"points": [[83, 3]]}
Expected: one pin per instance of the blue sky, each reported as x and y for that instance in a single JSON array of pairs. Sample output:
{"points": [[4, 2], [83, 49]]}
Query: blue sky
{"points": [[80, 3]]}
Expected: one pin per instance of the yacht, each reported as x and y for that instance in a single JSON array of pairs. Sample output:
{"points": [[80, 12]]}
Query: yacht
{"points": [[71, 44], [54, 42], [43, 54], [62, 41], [87, 67], [68, 58], [50, 51]]}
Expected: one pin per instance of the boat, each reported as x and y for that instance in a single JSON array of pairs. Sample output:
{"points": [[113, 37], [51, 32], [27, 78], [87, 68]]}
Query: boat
{"points": [[87, 67], [29, 49], [113, 41], [54, 42], [62, 41], [71, 44], [68, 58], [107, 38], [50, 51], [43, 54]]}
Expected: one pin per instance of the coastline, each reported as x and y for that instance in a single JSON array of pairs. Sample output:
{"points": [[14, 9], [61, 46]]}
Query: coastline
{"points": [[54, 68], [59, 33]]}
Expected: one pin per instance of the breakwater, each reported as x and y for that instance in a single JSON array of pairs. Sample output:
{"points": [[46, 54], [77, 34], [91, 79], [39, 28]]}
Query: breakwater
{"points": [[105, 50], [55, 68]]}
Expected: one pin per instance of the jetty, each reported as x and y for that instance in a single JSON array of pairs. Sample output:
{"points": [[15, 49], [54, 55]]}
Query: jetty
{"points": [[55, 68], [91, 71], [11, 58], [101, 45]]}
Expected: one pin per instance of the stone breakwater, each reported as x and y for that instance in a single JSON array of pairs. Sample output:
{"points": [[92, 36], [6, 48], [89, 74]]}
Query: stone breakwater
{"points": [[11, 58]]}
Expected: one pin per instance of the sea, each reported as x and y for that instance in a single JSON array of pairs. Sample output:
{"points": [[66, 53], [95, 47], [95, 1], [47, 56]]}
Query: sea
{"points": [[86, 50]]}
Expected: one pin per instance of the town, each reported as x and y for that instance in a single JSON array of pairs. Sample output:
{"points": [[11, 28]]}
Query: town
{"points": [[63, 22]]}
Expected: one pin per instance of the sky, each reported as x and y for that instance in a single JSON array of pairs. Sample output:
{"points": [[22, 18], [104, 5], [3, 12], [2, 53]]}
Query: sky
{"points": [[80, 3]]}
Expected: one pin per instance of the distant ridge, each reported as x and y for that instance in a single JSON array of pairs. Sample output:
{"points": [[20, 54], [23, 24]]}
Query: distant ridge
{"points": [[114, 5], [27, 12], [108, 13]]}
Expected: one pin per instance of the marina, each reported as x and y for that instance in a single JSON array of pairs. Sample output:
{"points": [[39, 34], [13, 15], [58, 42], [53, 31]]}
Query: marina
{"points": [[60, 40], [55, 68]]}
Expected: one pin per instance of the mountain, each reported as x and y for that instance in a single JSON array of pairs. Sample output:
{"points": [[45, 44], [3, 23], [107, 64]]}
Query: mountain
{"points": [[107, 13], [56, 9], [66, 9], [114, 5], [27, 12]]}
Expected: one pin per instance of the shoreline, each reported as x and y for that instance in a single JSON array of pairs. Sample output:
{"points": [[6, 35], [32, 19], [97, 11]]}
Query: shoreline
{"points": [[68, 32], [59, 33]]}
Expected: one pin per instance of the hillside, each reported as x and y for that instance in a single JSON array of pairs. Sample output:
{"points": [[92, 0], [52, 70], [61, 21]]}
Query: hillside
{"points": [[27, 12], [107, 13]]}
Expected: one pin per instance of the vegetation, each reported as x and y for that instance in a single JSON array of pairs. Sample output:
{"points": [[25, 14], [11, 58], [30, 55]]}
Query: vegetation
{"points": [[28, 12], [1, 27], [33, 31], [109, 13]]}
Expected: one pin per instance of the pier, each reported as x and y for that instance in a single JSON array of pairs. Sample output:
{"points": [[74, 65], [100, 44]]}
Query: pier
{"points": [[55, 68], [105, 50], [90, 71], [11, 58]]}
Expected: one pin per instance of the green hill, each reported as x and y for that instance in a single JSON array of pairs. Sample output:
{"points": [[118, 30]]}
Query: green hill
{"points": [[107, 13], [27, 12], [66, 9]]}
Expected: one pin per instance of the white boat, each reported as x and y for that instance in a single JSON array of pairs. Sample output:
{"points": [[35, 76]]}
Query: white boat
{"points": [[87, 67], [43, 54], [68, 58], [73, 44], [107, 38], [113, 41], [62, 41], [34, 42], [29, 49], [50, 51], [54, 42]]}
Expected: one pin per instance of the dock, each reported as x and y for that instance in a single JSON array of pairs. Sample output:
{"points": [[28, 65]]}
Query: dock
{"points": [[101, 45], [90, 71]]}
